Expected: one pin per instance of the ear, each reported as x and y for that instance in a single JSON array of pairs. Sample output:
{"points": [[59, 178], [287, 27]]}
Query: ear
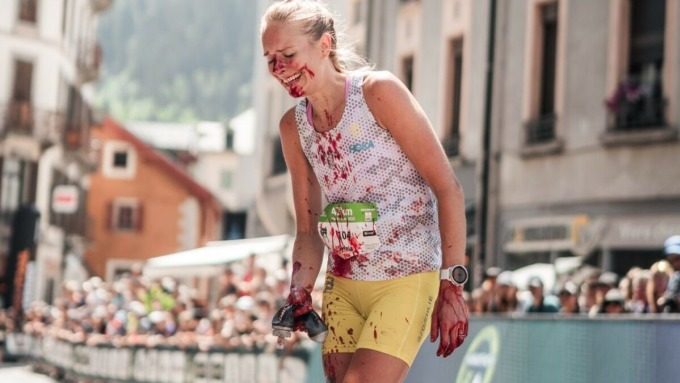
{"points": [[325, 43]]}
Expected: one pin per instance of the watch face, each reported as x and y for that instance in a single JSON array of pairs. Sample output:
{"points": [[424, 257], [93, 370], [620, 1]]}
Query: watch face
{"points": [[459, 274]]}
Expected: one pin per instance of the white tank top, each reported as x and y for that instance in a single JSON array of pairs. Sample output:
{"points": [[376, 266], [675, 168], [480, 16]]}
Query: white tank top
{"points": [[358, 161]]}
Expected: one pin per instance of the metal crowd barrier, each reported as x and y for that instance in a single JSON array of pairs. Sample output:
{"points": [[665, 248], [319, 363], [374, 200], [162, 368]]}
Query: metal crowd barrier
{"points": [[73, 362], [498, 349]]}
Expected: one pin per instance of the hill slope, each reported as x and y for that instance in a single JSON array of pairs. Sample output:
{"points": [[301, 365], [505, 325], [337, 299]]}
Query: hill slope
{"points": [[177, 60]]}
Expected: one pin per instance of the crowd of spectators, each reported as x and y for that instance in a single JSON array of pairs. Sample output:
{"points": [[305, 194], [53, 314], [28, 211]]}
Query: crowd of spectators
{"points": [[137, 311], [639, 291]]}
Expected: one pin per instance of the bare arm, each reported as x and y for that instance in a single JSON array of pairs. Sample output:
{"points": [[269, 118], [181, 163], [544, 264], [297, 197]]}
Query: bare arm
{"points": [[410, 127], [308, 247], [396, 110]]}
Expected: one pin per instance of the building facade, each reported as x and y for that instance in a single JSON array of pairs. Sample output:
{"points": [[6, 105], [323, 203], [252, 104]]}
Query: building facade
{"points": [[49, 58], [142, 205], [585, 128], [220, 157]]}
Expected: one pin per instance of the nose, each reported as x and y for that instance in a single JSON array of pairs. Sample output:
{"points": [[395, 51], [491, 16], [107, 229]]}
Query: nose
{"points": [[277, 66]]}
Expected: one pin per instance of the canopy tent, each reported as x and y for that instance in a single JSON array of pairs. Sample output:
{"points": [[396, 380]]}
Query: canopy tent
{"points": [[207, 260]]}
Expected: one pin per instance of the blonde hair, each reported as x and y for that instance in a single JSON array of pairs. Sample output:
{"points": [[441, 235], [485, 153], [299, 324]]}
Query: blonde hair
{"points": [[316, 19]]}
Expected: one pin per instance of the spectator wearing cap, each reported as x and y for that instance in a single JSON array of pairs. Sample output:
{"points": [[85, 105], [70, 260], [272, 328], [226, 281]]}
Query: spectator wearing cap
{"points": [[671, 299], [606, 281], [613, 303], [568, 295], [505, 297], [538, 302]]}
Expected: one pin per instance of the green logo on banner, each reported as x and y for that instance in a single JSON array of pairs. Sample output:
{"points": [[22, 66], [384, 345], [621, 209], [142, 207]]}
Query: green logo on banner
{"points": [[480, 359]]}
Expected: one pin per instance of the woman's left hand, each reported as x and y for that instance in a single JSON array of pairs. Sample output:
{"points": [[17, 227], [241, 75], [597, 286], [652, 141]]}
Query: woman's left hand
{"points": [[449, 319]]}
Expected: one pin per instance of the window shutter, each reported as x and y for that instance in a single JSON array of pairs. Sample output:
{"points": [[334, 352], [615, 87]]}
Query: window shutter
{"points": [[140, 218], [109, 216]]}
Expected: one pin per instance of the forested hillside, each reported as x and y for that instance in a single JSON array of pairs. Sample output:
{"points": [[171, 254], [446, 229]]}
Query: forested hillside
{"points": [[177, 60]]}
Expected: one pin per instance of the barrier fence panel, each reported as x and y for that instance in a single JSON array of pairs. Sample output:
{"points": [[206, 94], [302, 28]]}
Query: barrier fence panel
{"points": [[161, 364], [527, 349], [558, 349]]}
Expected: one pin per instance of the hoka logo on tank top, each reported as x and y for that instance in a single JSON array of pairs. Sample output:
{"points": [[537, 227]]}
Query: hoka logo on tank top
{"points": [[361, 147], [360, 162]]}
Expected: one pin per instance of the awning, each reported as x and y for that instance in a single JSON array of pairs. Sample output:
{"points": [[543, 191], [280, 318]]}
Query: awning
{"points": [[208, 260]]}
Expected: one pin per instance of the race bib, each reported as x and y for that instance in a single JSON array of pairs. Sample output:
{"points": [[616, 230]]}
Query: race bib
{"points": [[348, 229]]}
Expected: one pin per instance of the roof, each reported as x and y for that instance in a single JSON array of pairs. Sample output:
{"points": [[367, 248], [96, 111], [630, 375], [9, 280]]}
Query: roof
{"points": [[203, 260], [165, 164], [196, 138]]}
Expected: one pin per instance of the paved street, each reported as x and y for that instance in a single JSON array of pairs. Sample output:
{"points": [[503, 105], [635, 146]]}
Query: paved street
{"points": [[14, 373]]}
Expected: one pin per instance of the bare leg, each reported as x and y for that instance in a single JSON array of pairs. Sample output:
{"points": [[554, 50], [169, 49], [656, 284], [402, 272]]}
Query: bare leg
{"points": [[375, 367], [335, 366]]}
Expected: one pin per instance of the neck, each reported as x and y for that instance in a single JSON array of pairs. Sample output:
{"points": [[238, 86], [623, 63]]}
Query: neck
{"points": [[330, 95]]}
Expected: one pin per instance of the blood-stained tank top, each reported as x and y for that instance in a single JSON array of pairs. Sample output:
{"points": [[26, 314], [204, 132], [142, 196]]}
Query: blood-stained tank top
{"points": [[360, 162]]}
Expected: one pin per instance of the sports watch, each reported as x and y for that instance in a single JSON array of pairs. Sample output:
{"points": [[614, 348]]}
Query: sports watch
{"points": [[457, 274]]}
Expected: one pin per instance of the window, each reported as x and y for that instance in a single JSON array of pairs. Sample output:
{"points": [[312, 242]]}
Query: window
{"points": [[20, 116], [279, 162], [23, 80], [407, 72], [120, 159], [234, 225], [226, 178], [126, 215], [77, 120], [642, 91], [28, 10], [549, 60], [452, 141], [229, 144], [125, 220], [541, 125], [637, 102]]}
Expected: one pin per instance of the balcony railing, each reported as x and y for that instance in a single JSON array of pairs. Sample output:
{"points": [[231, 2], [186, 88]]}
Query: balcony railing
{"points": [[645, 112], [540, 130], [89, 61], [20, 117], [76, 137]]}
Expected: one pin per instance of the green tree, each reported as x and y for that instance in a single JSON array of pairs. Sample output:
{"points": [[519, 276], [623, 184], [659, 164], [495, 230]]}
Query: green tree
{"points": [[177, 60]]}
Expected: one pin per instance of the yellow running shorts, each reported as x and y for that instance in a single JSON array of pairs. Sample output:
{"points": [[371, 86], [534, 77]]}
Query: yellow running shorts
{"points": [[392, 316]]}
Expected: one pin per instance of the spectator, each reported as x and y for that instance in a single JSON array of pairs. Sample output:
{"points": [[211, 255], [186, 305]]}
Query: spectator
{"points": [[489, 287], [605, 282], [568, 296], [228, 283], [505, 297], [538, 303], [660, 274], [476, 302], [588, 295], [671, 299], [638, 303], [613, 303]]}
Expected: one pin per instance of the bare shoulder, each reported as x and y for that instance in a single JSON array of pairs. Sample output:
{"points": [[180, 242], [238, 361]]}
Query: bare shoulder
{"points": [[288, 124], [378, 83], [385, 93]]}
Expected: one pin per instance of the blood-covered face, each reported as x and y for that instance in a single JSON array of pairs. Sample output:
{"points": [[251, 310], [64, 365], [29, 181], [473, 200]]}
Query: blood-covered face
{"points": [[290, 56]]}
